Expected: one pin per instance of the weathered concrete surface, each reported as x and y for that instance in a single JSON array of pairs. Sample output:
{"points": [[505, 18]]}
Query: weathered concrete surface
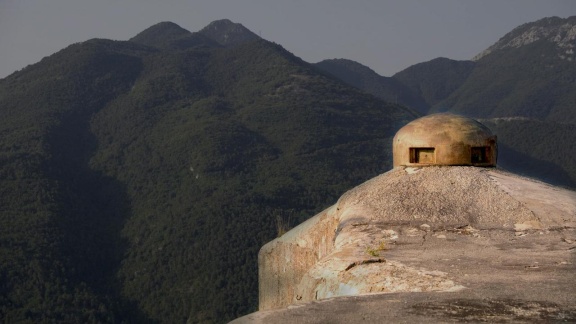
{"points": [[285, 261], [453, 243], [425, 307]]}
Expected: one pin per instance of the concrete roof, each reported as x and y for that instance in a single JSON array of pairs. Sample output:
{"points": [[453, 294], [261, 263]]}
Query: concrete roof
{"points": [[451, 243]]}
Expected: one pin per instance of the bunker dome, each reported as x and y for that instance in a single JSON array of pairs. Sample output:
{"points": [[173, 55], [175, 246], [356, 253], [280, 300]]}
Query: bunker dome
{"points": [[444, 139]]}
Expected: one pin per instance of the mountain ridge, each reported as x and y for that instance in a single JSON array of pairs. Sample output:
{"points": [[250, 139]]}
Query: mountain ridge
{"points": [[167, 160], [560, 31], [168, 35], [364, 78], [157, 171], [436, 79], [513, 85]]}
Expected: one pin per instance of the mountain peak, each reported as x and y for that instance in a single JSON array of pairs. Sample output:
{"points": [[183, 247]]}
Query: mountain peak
{"points": [[159, 31], [561, 32], [169, 35], [228, 33]]}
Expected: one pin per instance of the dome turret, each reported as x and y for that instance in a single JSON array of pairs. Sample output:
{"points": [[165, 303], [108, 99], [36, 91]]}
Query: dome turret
{"points": [[444, 139]]}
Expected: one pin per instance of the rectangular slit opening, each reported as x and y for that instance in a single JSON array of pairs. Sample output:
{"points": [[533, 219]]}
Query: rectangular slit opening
{"points": [[480, 154], [423, 155]]}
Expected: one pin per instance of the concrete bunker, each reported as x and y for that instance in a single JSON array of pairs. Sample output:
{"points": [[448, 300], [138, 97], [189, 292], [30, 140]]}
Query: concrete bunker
{"points": [[445, 139]]}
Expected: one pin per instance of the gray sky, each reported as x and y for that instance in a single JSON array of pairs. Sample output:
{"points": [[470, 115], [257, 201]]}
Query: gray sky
{"points": [[386, 35]]}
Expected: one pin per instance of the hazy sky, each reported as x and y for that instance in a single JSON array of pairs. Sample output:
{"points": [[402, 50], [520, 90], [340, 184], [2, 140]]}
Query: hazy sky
{"points": [[385, 35]]}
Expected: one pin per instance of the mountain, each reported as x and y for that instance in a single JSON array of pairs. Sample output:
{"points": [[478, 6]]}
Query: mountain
{"points": [[558, 31], [168, 35], [529, 72], [362, 77], [419, 87], [523, 86], [139, 178], [436, 79]]}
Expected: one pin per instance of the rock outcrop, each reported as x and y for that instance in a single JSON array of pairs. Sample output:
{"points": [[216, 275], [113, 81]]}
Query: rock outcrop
{"points": [[557, 31], [448, 242]]}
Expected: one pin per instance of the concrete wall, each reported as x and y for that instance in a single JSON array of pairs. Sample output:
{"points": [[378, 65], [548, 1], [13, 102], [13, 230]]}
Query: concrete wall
{"points": [[282, 263]]}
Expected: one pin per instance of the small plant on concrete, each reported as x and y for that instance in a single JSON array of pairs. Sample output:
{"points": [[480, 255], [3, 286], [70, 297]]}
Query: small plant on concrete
{"points": [[375, 251], [282, 225]]}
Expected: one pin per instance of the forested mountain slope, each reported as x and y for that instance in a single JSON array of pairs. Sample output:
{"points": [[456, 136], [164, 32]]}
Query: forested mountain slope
{"points": [[140, 178], [436, 79], [535, 148], [523, 86], [529, 72], [362, 77]]}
